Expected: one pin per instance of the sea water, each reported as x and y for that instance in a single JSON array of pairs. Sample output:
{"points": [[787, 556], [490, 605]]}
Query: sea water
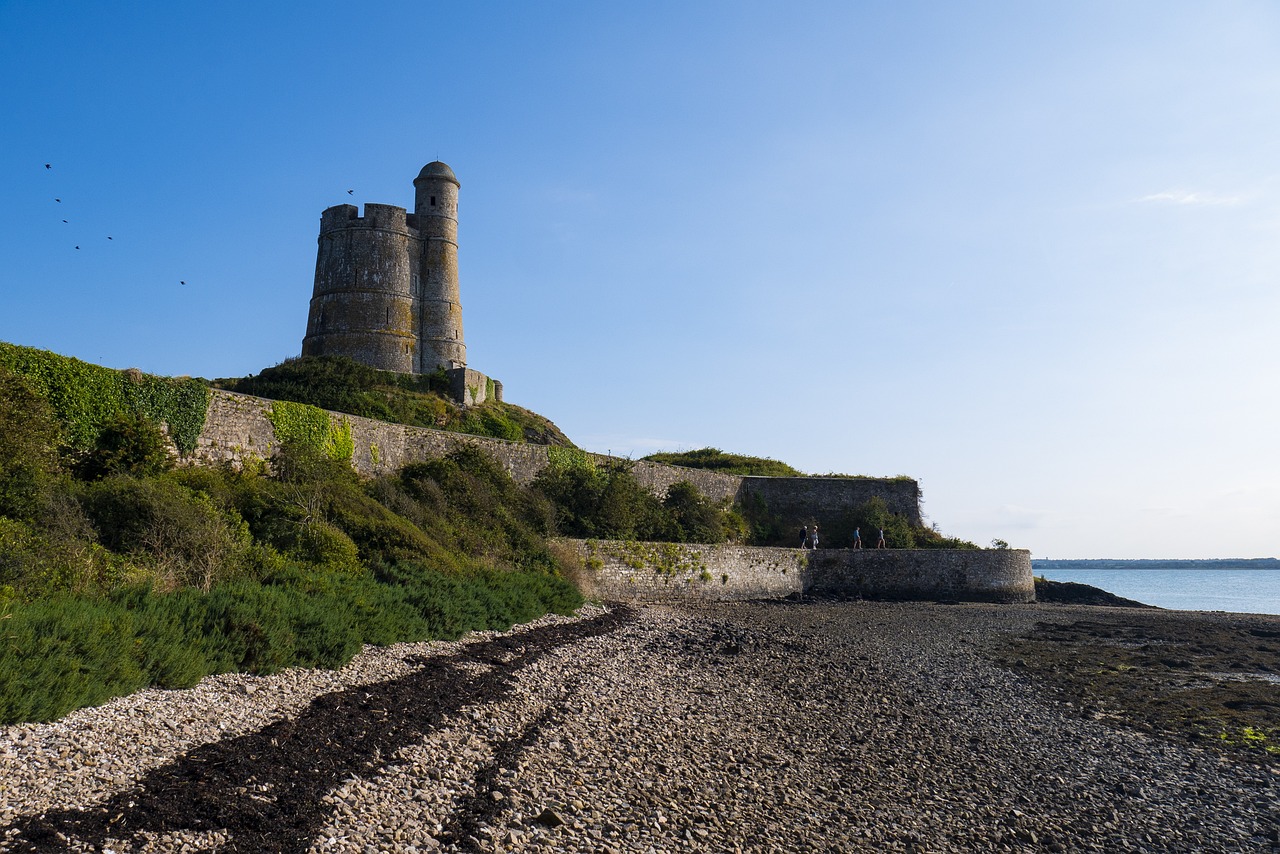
{"points": [[1248, 591]]}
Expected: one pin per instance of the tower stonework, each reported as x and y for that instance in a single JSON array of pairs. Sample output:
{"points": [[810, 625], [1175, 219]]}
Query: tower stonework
{"points": [[386, 287], [362, 305], [440, 304]]}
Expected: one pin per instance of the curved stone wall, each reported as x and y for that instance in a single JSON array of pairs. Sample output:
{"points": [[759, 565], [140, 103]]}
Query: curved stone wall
{"points": [[963, 575], [655, 572]]}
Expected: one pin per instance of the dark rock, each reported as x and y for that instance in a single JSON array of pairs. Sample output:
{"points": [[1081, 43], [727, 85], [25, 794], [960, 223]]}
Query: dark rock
{"points": [[549, 818]]}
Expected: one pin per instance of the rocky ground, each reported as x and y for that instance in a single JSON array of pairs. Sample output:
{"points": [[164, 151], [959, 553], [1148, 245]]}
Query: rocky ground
{"points": [[748, 727]]}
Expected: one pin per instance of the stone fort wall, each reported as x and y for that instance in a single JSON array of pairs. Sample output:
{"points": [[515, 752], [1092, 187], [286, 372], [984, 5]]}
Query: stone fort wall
{"points": [[662, 572], [237, 427]]}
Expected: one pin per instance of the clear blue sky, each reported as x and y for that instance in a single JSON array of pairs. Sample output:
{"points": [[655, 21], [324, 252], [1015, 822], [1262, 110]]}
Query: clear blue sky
{"points": [[1025, 252]]}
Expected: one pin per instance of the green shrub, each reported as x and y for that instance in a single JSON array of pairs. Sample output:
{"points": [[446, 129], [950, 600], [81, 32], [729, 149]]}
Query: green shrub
{"points": [[930, 538], [489, 420], [692, 518], [607, 502], [29, 439], [128, 444], [326, 546], [60, 654], [184, 538]]}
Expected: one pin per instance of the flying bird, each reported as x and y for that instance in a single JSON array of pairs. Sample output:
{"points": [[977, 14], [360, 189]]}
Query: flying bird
{"points": [[109, 237], [64, 220], [77, 247], [181, 283], [57, 200], [351, 192], [48, 166]]}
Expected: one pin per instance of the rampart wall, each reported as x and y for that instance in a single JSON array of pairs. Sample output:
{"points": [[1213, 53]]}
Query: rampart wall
{"points": [[237, 427], [656, 572]]}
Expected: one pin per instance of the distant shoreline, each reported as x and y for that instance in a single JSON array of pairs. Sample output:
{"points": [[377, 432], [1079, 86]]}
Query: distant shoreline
{"points": [[1038, 564]]}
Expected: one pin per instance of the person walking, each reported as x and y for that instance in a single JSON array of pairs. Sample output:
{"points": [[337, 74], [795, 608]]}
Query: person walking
{"points": [[880, 542], [814, 537], [857, 538], [804, 537]]}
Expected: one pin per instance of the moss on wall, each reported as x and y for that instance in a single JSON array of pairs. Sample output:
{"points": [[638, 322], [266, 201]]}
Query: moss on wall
{"points": [[311, 426]]}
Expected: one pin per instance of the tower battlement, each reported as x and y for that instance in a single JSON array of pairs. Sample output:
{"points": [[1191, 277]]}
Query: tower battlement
{"points": [[382, 217]]}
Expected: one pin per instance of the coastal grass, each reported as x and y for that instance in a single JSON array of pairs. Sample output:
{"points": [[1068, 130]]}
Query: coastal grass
{"points": [[63, 653]]}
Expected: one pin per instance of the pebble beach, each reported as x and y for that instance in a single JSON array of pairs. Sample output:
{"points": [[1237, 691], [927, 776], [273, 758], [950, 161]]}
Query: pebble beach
{"points": [[817, 726]]}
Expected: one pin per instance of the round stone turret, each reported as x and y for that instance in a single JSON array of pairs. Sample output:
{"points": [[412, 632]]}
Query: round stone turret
{"points": [[436, 169], [439, 301], [361, 304]]}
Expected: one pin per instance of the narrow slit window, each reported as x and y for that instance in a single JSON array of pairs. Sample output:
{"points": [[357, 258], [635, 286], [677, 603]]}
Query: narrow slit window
{"points": [[433, 201]]}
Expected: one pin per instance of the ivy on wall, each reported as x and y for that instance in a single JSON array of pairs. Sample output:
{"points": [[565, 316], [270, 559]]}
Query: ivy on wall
{"points": [[85, 396], [311, 426], [561, 459]]}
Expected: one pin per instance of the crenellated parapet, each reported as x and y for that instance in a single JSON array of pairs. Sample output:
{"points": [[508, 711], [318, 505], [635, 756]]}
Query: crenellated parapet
{"points": [[391, 218]]}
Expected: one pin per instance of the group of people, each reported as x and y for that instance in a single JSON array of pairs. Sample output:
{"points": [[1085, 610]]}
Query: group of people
{"points": [[809, 538]]}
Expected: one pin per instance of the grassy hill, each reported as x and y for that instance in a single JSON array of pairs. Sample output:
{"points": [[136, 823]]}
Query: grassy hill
{"points": [[420, 400]]}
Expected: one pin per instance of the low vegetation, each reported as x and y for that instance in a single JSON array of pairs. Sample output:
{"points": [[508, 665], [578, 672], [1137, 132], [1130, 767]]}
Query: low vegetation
{"points": [[118, 570], [606, 502], [867, 519], [714, 459], [341, 384]]}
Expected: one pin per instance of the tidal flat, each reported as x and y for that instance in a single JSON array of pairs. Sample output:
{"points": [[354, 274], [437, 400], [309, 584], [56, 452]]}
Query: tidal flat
{"points": [[783, 726]]}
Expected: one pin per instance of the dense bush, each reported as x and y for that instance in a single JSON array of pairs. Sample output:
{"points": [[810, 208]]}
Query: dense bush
{"points": [[600, 502], [693, 518], [129, 443], [183, 537], [29, 439], [606, 502]]}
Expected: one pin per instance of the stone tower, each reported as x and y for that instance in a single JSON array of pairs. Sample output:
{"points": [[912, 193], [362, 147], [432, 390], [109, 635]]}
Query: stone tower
{"points": [[440, 337], [386, 287]]}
